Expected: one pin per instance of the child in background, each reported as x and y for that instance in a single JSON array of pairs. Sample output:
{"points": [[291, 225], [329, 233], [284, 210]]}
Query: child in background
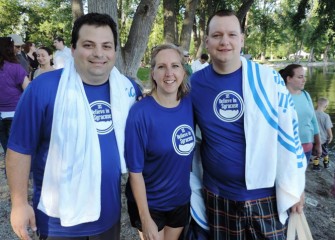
{"points": [[326, 135]]}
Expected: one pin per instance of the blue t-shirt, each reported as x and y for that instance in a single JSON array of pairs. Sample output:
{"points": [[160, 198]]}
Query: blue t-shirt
{"points": [[219, 110], [308, 123], [160, 143], [30, 135]]}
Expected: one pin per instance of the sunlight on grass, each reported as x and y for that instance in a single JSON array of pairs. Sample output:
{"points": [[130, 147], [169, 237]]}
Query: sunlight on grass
{"points": [[143, 74]]}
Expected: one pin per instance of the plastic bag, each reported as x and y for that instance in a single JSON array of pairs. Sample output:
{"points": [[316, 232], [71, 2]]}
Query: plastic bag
{"points": [[298, 225]]}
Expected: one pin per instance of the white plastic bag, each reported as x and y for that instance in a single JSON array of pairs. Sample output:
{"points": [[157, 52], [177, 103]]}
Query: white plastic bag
{"points": [[297, 224]]}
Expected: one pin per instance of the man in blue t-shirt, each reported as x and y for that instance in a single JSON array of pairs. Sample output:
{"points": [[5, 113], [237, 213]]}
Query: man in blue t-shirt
{"points": [[251, 154], [68, 130]]}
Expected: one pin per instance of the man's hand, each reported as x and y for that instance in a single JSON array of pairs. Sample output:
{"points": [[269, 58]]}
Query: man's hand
{"points": [[21, 218]]}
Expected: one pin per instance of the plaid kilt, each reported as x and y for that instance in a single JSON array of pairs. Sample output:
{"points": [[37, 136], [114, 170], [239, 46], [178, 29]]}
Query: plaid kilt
{"points": [[243, 220]]}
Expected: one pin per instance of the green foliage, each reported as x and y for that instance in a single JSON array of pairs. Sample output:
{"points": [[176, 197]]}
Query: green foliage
{"points": [[10, 16], [326, 13], [274, 28], [50, 19], [300, 15], [38, 21]]}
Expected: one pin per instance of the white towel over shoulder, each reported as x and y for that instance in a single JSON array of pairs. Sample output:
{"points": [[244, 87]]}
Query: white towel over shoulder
{"points": [[72, 178], [273, 153]]}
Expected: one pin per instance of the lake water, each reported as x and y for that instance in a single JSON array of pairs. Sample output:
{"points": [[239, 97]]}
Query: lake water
{"points": [[321, 83]]}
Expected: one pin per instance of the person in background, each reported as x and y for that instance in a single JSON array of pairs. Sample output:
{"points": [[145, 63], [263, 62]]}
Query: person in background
{"points": [[13, 80], [253, 162], [44, 57], [159, 149], [62, 54], [200, 63], [326, 135], [187, 63], [18, 42], [30, 53], [294, 77], [77, 185]]}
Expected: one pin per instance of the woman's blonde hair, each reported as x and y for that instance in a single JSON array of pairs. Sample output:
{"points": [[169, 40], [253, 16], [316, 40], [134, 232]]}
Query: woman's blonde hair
{"points": [[184, 88]]}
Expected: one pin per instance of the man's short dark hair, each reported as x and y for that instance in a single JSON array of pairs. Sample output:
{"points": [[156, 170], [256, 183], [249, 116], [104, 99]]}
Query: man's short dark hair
{"points": [[59, 39], [95, 19], [204, 56], [223, 13]]}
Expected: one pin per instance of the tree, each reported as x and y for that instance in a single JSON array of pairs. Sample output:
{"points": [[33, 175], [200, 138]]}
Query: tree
{"points": [[242, 12], [326, 12], [189, 15], [10, 12], [170, 21], [199, 29], [38, 21]]}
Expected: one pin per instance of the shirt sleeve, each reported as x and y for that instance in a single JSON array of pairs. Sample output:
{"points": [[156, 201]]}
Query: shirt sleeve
{"points": [[329, 123]]}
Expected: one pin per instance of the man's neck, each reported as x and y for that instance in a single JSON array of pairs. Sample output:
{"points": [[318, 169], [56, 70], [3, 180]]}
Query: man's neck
{"points": [[226, 68]]}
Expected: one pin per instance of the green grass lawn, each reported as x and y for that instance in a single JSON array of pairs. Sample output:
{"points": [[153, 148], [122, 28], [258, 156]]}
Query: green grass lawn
{"points": [[143, 74]]}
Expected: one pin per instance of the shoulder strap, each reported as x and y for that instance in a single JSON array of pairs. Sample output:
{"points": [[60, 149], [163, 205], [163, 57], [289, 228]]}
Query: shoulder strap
{"points": [[308, 98]]}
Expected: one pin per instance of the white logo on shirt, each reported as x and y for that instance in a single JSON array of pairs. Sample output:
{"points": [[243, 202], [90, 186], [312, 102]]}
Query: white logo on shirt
{"points": [[228, 106], [183, 140], [102, 115]]}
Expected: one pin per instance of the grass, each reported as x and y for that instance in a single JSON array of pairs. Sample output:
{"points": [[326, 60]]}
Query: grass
{"points": [[143, 74]]}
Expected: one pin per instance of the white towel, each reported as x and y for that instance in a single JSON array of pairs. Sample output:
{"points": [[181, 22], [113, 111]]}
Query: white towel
{"points": [[273, 148], [198, 209], [72, 177]]}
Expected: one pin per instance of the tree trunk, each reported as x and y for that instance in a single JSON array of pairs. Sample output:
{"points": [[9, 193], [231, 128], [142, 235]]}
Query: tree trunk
{"points": [[77, 9], [202, 29], [185, 36], [246, 33], [325, 54], [242, 12], [311, 55], [138, 37], [104, 6], [196, 35], [170, 21]]}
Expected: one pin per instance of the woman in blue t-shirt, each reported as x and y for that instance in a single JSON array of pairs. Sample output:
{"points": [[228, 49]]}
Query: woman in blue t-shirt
{"points": [[159, 149]]}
